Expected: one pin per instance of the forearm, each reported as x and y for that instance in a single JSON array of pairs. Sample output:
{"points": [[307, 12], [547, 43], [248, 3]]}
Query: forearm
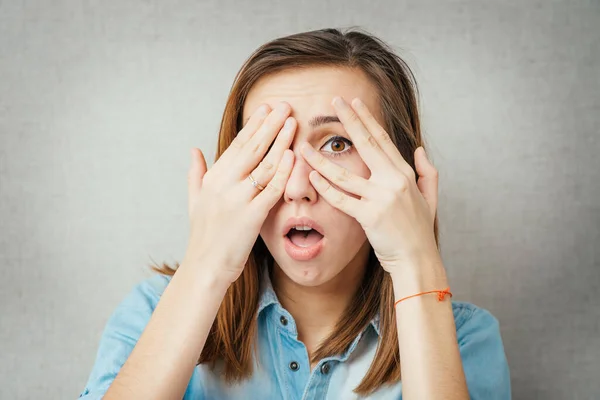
{"points": [[430, 360], [161, 363]]}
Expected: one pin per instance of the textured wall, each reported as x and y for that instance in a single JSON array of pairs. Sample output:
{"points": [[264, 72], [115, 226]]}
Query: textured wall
{"points": [[101, 100]]}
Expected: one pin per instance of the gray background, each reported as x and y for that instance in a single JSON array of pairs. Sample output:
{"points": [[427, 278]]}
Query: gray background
{"points": [[100, 102]]}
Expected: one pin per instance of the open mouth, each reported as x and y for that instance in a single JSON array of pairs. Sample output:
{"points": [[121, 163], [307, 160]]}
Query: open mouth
{"points": [[304, 236]]}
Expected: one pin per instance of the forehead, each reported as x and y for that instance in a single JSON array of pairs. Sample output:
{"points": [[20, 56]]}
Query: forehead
{"points": [[310, 90]]}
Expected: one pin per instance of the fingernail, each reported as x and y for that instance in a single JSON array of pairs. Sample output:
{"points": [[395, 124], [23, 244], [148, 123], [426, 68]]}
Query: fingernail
{"points": [[282, 107], [357, 103], [338, 102], [288, 124], [263, 110]]}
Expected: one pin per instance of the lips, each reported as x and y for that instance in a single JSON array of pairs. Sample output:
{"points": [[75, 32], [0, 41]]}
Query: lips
{"points": [[309, 250], [302, 221]]}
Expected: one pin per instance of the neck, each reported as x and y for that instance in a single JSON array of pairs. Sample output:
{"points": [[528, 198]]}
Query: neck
{"points": [[316, 310]]}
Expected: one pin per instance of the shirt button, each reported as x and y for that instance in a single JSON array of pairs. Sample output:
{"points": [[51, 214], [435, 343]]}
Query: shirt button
{"points": [[325, 368], [283, 320], [294, 366]]}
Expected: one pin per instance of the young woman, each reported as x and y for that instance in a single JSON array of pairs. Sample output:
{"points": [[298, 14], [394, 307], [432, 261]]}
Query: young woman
{"points": [[313, 269]]}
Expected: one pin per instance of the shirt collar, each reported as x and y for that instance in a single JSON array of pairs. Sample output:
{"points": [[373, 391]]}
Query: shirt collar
{"points": [[269, 297]]}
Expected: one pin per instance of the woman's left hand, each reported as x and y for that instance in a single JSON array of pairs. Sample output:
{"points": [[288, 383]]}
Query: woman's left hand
{"points": [[396, 212]]}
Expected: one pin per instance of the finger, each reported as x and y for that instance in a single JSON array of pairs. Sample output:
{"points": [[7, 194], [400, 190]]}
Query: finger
{"points": [[337, 199], [195, 174], [256, 147], [335, 173], [364, 142], [254, 123], [428, 179], [197, 169], [383, 138], [271, 194], [265, 170]]}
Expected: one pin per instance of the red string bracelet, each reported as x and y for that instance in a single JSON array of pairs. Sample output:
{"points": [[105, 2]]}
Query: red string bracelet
{"points": [[441, 295]]}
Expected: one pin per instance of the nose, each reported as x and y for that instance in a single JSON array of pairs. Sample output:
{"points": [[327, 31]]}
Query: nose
{"points": [[298, 187]]}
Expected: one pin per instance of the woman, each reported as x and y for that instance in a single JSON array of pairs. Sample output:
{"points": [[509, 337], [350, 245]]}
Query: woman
{"points": [[312, 269]]}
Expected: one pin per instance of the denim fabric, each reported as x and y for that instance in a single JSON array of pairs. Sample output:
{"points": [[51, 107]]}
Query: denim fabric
{"points": [[334, 378]]}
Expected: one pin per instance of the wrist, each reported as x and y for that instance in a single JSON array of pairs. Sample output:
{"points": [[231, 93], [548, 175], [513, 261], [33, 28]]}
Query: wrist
{"points": [[417, 277], [206, 274]]}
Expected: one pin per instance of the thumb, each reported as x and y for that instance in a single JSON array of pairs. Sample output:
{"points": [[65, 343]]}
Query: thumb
{"points": [[197, 170], [428, 179]]}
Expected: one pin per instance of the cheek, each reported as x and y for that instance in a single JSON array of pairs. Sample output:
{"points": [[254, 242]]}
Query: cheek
{"points": [[351, 233]]}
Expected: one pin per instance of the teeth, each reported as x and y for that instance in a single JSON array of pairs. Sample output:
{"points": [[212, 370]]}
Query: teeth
{"points": [[302, 228]]}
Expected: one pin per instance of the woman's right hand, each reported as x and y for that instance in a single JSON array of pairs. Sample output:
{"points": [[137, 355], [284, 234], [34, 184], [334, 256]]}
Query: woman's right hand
{"points": [[226, 211]]}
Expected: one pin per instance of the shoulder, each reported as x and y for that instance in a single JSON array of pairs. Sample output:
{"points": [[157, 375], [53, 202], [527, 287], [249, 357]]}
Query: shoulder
{"points": [[121, 333], [482, 352], [475, 325], [468, 315], [132, 314], [146, 293]]}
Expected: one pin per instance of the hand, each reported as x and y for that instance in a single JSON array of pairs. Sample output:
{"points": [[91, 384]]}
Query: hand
{"points": [[396, 213], [226, 211]]}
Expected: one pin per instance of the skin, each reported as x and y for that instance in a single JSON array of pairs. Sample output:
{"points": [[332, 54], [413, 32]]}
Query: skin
{"points": [[317, 291]]}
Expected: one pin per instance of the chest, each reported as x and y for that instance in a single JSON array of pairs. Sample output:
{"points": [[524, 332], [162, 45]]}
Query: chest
{"points": [[283, 371]]}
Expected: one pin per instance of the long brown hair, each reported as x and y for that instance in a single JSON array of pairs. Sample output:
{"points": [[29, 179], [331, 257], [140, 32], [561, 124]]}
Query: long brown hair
{"points": [[233, 333]]}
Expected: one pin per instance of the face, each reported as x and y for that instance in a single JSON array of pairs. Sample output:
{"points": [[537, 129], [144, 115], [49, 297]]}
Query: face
{"points": [[309, 92]]}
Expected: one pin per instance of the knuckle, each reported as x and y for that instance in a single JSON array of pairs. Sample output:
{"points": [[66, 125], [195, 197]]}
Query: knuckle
{"points": [[236, 143], [371, 141], [274, 186], [340, 199], [353, 117], [256, 147], [344, 176], [321, 161], [277, 183], [385, 137], [402, 184], [266, 165]]}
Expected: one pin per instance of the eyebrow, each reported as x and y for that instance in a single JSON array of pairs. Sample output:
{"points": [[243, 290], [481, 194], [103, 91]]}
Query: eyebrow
{"points": [[322, 120], [317, 120]]}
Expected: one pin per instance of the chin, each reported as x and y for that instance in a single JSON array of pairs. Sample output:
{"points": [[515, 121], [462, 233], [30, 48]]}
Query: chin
{"points": [[310, 274]]}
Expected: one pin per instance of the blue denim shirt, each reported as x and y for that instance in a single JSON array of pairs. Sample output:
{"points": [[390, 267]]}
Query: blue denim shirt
{"points": [[280, 352]]}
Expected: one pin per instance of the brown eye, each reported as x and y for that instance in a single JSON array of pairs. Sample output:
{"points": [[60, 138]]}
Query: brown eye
{"points": [[339, 145]]}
